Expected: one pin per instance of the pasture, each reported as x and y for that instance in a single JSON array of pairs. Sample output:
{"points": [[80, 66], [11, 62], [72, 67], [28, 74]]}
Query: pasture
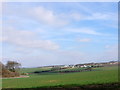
{"points": [[97, 76]]}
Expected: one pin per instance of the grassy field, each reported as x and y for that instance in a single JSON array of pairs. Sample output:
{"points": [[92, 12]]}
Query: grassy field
{"points": [[99, 76], [29, 70]]}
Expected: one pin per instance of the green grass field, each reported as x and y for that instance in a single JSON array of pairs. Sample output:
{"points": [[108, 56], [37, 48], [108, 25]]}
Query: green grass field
{"points": [[28, 70], [99, 76]]}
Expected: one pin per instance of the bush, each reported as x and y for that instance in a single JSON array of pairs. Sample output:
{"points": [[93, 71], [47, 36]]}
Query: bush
{"points": [[55, 68], [24, 73]]}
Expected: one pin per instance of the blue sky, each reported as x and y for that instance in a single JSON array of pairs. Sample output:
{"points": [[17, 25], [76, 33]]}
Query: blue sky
{"points": [[38, 34]]}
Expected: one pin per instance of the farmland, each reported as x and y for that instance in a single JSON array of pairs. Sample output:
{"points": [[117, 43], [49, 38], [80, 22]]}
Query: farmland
{"points": [[97, 76]]}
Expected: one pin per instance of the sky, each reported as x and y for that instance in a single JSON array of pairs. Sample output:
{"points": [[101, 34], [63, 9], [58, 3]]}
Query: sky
{"points": [[57, 33]]}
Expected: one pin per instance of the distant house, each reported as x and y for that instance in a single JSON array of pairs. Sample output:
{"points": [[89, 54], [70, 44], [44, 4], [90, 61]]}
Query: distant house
{"points": [[78, 65], [84, 66], [71, 66], [66, 66], [88, 65]]}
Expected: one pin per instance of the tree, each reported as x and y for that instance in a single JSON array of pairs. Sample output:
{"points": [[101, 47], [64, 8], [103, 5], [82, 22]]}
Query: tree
{"points": [[13, 66], [4, 72]]}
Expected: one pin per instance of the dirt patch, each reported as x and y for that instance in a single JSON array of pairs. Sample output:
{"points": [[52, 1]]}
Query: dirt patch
{"points": [[21, 76]]}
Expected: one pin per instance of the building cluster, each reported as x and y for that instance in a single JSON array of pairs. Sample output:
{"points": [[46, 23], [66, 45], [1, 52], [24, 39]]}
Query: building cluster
{"points": [[101, 64]]}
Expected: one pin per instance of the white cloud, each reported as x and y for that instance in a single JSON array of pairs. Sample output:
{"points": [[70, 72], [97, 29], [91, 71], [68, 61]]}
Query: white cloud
{"points": [[94, 16], [0, 9], [48, 58], [83, 30], [2, 39], [110, 53], [27, 39], [76, 16], [102, 16], [65, 57], [84, 40], [48, 16], [112, 50]]}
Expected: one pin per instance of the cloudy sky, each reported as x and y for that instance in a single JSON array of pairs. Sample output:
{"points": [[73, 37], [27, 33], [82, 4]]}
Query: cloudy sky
{"points": [[38, 34]]}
